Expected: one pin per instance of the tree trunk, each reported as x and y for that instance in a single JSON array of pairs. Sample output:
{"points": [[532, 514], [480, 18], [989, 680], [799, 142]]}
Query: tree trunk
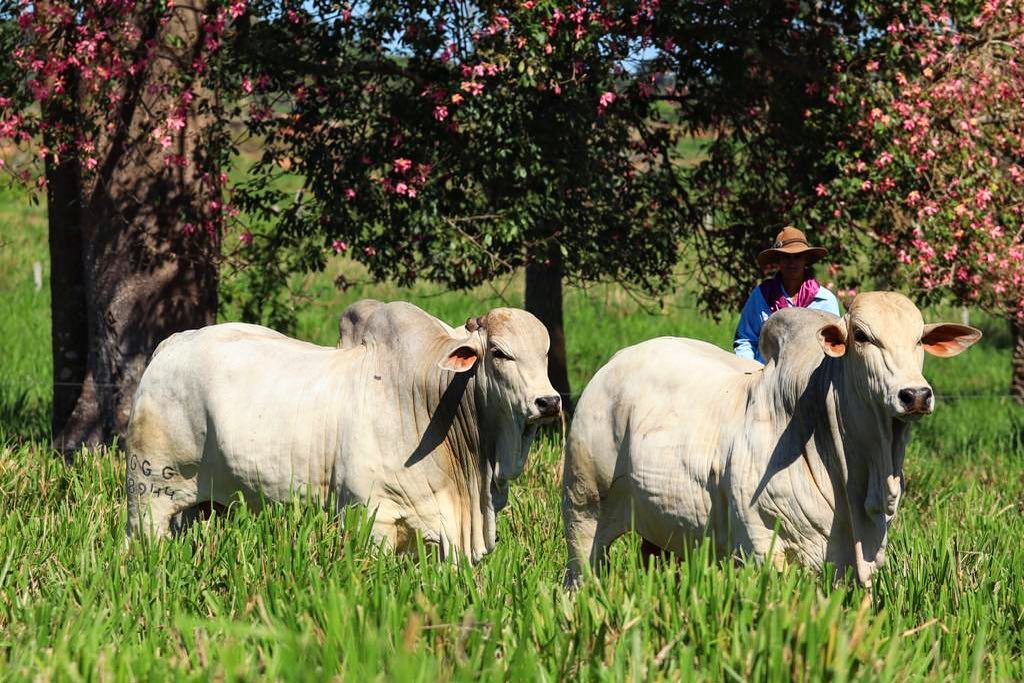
{"points": [[544, 299], [143, 276], [1017, 373], [69, 323]]}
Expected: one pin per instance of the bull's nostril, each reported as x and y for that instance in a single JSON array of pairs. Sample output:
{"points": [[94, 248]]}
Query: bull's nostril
{"points": [[906, 396], [549, 405], [926, 393]]}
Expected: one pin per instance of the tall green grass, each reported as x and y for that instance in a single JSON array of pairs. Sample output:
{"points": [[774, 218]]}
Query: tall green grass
{"points": [[295, 593]]}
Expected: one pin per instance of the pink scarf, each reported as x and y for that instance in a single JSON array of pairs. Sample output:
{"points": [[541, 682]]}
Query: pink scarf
{"points": [[773, 293]]}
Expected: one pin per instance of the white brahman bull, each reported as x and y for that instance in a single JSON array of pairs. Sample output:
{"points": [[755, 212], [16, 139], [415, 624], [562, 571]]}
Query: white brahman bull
{"points": [[678, 439], [423, 428]]}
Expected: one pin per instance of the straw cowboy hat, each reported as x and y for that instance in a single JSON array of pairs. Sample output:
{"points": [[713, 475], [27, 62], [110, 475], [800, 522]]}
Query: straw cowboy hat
{"points": [[790, 241]]}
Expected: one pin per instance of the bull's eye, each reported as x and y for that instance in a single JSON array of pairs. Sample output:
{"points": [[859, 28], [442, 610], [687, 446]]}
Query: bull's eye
{"points": [[498, 353], [860, 336]]}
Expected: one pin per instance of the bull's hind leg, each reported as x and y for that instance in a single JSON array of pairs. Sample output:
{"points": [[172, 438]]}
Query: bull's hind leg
{"points": [[594, 507], [157, 495], [589, 530], [156, 490]]}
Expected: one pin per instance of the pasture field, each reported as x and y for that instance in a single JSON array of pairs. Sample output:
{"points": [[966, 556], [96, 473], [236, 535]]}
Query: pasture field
{"points": [[294, 593]]}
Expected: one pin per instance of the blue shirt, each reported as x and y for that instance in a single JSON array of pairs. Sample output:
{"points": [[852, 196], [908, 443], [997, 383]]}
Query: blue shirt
{"points": [[756, 311]]}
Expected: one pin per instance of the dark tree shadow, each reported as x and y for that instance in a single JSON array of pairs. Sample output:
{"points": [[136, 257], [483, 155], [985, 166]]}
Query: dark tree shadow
{"points": [[24, 417]]}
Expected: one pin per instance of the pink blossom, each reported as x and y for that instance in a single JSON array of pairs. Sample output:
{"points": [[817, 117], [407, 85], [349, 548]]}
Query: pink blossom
{"points": [[245, 238], [401, 165], [440, 112], [605, 100], [350, 194], [175, 122], [982, 197], [339, 246], [821, 190], [401, 188]]}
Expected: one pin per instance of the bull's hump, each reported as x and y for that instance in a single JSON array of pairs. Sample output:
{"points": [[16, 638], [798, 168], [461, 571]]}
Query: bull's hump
{"points": [[394, 323], [793, 332]]}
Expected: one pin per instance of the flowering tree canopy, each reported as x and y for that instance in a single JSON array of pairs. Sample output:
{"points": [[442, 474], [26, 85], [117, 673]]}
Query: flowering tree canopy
{"points": [[932, 163], [454, 144]]}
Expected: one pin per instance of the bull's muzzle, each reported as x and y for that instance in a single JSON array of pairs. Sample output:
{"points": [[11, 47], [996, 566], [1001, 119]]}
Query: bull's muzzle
{"points": [[549, 406], [916, 400]]}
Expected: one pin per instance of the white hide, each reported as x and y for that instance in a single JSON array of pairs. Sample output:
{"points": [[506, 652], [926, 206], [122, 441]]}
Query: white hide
{"points": [[424, 428], [678, 439]]}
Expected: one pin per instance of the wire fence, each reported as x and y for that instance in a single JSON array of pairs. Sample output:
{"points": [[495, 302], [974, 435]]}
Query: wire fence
{"points": [[25, 381]]}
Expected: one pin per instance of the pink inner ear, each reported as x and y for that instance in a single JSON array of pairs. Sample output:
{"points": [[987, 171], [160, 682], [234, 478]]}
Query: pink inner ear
{"points": [[461, 359], [833, 340], [943, 349], [948, 339]]}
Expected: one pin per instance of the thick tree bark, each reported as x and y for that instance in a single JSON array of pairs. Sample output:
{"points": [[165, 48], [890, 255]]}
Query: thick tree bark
{"points": [[143, 276], [544, 299], [1017, 374]]}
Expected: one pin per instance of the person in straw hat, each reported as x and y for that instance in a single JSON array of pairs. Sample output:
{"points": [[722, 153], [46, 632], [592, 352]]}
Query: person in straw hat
{"points": [[792, 285]]}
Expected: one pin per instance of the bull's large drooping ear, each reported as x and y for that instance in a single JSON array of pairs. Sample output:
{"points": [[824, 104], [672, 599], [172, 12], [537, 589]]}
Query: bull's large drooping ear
{"points": [[460, 359], [832, 338], [948, 339]]}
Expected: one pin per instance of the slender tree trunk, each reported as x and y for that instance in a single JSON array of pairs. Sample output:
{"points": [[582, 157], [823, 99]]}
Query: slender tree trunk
{"points": [[544, 299], [143, 276], [1017, 374], [69, 323]]}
